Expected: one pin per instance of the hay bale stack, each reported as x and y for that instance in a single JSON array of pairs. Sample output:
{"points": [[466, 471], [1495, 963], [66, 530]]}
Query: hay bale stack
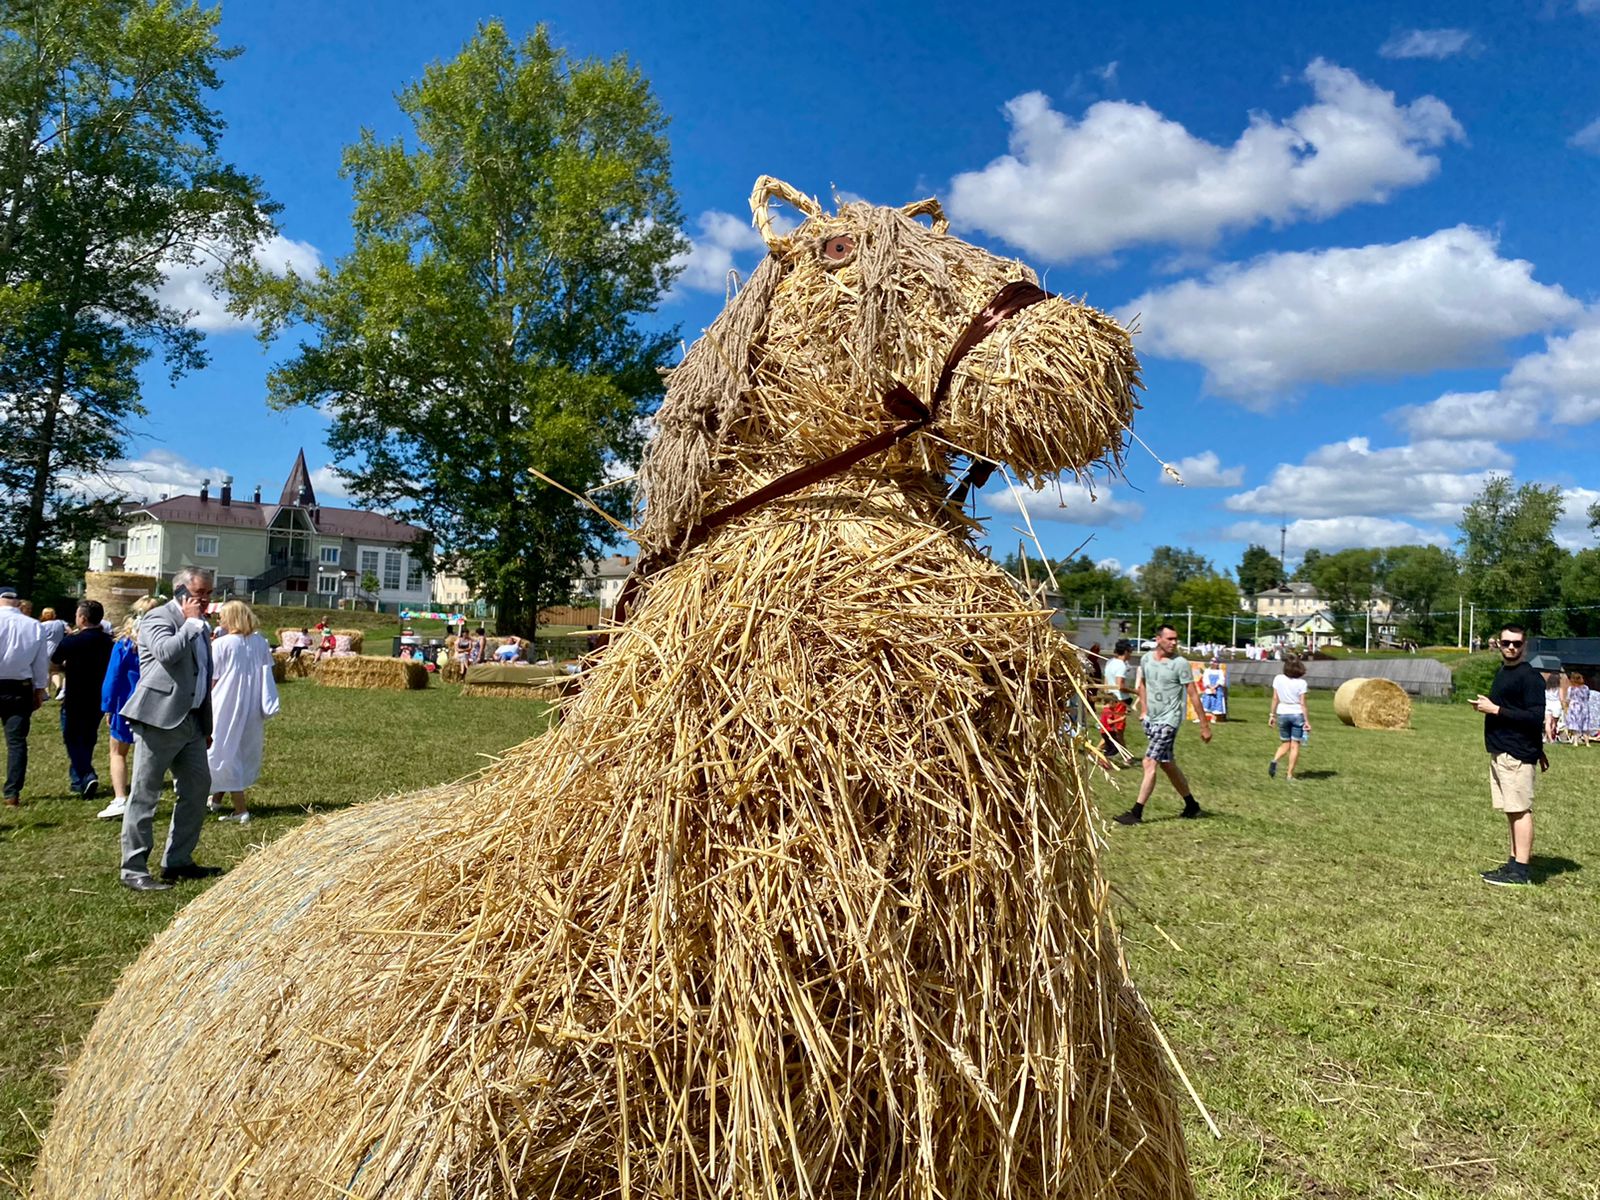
{"points": [[117, 591], [802, 898], [356, 636], [280, 669], [370, 671], [1370, 703], [539, 686]]}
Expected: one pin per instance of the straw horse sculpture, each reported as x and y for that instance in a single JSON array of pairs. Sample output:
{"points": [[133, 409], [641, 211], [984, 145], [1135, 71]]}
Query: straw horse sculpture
{"points": [[800, 899]]}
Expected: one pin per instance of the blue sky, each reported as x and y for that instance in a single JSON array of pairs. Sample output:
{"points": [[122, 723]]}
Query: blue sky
{"points": [[1360, 238]]}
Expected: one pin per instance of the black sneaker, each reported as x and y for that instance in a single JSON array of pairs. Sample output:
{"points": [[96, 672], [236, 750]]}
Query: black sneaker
{"points": [[1272, 769], [1132, 817], [1500, 870], [1509, 876], [91, 789], [1191, 810]]}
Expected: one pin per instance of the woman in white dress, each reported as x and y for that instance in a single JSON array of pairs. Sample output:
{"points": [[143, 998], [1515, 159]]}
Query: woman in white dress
{"points": [[243, 696]]}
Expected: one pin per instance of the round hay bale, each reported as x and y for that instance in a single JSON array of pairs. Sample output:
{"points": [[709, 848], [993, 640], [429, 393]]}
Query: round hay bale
{"points": [[117, 591], [1369, 703]]}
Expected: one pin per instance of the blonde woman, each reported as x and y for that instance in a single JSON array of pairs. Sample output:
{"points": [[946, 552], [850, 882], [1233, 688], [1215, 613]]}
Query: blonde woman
{"points": [[122, 676], [243, 696]]}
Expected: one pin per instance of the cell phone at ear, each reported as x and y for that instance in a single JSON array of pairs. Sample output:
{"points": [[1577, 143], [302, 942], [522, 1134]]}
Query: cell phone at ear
{"points": [[180, 592]]}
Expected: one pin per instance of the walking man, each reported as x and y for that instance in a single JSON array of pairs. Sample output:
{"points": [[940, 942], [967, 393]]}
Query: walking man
{"points": [[1165, 682], [82, 658], [1114, 716], [170, 715], [1513, 723], [24, 672]]}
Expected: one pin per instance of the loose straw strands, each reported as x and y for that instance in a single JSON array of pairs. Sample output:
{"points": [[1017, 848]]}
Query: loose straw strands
{"points": [[800, 899], [832, 926]]}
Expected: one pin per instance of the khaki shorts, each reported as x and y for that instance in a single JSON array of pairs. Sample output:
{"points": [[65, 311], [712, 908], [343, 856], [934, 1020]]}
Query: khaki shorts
{"points": [[1511, 783]]}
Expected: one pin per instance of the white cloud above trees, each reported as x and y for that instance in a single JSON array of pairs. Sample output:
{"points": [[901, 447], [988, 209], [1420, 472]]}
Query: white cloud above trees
{"points": [[1123, 174], [189, 288], [1268, 326], [1075, 504]]}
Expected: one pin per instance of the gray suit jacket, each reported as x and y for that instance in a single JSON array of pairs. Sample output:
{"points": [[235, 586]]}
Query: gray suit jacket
{"points": [[167, 674]]}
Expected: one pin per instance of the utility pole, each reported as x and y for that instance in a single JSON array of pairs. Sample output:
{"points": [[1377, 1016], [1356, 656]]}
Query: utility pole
{"points": [[1139, 636], [1472, 624], [1233, 638], [1459, 614], [1369, 628], [1188, 633]]}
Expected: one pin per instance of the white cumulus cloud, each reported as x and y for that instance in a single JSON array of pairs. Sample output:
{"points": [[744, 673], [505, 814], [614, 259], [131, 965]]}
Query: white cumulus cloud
{"points": [[1428, 481], [1204, 470], [1587, 138], [1428, 43], [1572, 530], [1338, 533], [1076, 504], [1565, 375], [1124, 174], [1282, 320], [722, 245], [189, 288]]}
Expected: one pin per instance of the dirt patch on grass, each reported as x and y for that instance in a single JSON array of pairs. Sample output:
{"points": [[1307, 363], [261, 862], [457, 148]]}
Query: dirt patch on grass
{"points": [[1453, 1156]]}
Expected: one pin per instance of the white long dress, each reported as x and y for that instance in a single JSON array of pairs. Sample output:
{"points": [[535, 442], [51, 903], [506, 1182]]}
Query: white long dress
{"points": [[242, 698]]}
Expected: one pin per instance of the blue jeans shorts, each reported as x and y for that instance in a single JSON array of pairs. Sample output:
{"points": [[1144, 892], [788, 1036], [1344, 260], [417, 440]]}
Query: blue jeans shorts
{"points": [[1291, 727]]}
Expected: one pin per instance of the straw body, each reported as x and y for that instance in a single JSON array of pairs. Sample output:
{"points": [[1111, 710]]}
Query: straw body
{"points": [[801, 898]]}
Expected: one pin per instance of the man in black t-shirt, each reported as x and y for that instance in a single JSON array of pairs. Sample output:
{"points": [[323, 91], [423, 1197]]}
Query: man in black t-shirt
{"points": [[1513, 724], [83, 656]]}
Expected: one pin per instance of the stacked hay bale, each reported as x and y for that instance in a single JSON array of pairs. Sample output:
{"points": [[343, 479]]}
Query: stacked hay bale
{"points": [[517, 683], [1369, 703], [117, 591], [370, 671], [802, 898], [280, 669]]}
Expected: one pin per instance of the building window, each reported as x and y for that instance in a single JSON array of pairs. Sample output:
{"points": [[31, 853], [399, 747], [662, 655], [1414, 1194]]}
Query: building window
{"points": [[391, 569], [369, 563], [205, 545], [413, 575], [327, 585], [330, 555]]}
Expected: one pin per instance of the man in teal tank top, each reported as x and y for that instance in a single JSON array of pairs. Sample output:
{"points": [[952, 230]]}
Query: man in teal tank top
{"points": [[1165, 682]]}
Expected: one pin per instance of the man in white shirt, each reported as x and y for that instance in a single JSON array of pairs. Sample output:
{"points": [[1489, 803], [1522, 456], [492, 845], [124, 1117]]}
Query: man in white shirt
{"points": [[24, 671], [170, 714]]}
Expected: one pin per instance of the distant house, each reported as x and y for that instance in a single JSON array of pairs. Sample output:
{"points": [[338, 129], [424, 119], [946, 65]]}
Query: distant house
{"points": [[602, 579], [1289, 601], [295, 545], [109, 551]]}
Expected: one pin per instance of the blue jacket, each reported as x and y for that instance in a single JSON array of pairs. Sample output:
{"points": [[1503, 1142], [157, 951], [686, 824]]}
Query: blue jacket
{"points": [[122, 676]]}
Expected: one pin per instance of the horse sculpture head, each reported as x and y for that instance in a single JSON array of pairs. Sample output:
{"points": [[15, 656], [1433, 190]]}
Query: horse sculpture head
{"points": [[859, 320]]}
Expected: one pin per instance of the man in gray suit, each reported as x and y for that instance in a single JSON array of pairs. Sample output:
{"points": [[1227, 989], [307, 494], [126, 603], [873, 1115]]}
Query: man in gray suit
{"points": [[170, 713]]}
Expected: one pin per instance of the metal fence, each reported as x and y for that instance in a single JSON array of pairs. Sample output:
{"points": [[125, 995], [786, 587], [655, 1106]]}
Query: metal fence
{"points": [[1418, 676]]}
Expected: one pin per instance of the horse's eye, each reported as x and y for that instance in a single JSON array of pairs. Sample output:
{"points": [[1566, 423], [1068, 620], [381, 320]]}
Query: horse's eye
{"points": [[837, 249]]}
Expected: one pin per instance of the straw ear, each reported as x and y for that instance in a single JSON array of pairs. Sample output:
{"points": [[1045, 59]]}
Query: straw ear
{"points": [[929, 208], [767, 190]]}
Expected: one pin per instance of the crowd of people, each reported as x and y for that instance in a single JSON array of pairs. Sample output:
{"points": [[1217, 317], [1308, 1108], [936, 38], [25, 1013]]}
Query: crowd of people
{"points": [[175, 695]]}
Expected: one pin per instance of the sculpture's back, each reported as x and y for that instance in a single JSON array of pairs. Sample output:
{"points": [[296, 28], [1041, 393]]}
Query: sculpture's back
{"points": [[801, 898]]}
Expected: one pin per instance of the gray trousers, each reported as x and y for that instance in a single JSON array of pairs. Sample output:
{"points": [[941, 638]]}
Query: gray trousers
{"points": [[183, 750]]}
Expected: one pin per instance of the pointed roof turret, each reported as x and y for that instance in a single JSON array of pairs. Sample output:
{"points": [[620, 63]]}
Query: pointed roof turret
{"points": [[297, 491]]}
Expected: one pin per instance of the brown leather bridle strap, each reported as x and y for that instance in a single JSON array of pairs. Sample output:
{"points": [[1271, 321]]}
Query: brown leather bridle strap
{"points": [[900, 401]]}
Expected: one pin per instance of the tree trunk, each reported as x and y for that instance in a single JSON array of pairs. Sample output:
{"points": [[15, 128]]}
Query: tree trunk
{"points": [[39, 489]]}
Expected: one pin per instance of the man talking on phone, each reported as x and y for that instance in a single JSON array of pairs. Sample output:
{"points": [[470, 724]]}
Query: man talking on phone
{"points": [[170, 714]]}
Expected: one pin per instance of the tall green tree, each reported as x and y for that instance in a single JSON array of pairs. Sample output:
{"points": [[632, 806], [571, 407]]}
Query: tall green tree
{"points": [[1509, 557], [1168, 567], [1422, 581], [483, 331], [1346, 580], [1214, 601], [1580, 592], [1308, 564], [109, 177], [1259, 570]]}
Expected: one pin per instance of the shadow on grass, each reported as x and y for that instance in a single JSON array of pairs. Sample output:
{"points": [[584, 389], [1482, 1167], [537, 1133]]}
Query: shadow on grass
{"points": [[1542, 867], [1317, 775]]}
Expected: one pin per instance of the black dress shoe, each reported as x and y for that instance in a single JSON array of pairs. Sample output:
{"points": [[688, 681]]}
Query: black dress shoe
{"points": [[190, 871], [144, 883]]}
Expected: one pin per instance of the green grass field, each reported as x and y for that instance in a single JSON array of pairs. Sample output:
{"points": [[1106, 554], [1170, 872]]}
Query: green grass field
{"points": [[1359, 1013]]}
